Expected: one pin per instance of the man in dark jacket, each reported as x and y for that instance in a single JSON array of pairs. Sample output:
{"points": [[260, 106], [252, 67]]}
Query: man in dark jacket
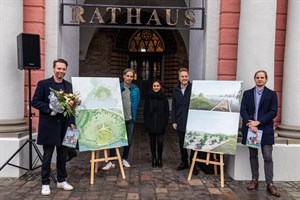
{"points": [[52, 126], [180, 109], [258, 109]]}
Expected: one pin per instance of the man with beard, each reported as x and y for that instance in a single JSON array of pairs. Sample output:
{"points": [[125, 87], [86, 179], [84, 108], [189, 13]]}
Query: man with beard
{"points": [[259, 107], [52, 126]]}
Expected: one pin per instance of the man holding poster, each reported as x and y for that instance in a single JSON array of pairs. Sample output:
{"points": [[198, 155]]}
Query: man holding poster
{"points": [[258, 109]]}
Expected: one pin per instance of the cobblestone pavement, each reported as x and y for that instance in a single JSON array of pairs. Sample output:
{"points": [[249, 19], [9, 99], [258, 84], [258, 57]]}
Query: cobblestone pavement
{"points": [[142, 182]]}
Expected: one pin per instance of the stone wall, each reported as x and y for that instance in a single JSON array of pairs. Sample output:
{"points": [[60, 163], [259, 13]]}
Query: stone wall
{"points": [[107, 55]]}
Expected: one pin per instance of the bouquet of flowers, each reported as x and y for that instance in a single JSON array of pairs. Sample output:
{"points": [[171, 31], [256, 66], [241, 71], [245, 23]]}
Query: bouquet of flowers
{"points": [[61, 102]]}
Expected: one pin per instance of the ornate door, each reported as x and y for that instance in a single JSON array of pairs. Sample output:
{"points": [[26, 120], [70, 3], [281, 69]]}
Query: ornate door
{"points": [[147, 67], [145, 57]]}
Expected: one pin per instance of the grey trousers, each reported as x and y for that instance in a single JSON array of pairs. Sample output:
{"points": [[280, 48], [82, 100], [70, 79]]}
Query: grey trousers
{"points": [[268, 162]]}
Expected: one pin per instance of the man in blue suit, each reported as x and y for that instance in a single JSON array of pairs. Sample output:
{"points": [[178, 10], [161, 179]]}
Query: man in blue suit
{"points": [[52, 126], [258, 109]]}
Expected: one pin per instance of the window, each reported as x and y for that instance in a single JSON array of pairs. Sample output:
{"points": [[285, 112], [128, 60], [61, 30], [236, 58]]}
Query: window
{"points": [[146, 41]]}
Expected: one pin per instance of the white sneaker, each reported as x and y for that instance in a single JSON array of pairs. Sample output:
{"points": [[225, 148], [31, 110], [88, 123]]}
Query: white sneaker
{"points": [[125, 163], [45, 190], [108, 166], [64, 185]]}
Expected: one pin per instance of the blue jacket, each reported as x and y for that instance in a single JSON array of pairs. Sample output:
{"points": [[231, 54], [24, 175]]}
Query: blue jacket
{"points": [[267, 111], [134, 98]]}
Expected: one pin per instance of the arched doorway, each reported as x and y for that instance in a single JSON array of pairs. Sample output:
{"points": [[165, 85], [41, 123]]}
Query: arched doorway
{"points": [[110, 52], [145, 56]]}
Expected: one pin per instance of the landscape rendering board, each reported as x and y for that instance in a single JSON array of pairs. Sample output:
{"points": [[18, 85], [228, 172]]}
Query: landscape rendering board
{"points": [[100, 117], [213, 117]]}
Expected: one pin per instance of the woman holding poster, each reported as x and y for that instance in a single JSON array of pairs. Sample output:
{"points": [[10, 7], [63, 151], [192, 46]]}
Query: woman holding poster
{"points": [[156, 116]]}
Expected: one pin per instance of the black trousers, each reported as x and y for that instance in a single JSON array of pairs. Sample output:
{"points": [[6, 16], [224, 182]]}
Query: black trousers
{"points": [[61, 158], [183, 151], [156, 145]]}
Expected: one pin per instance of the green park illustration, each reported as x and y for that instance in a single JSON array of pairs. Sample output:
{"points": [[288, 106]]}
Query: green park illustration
{"points": [[101, 129], [100, 118]]}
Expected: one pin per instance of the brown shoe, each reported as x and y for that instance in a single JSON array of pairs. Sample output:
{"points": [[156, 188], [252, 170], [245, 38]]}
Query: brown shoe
{"points": [[273, 190], [253, 185]]}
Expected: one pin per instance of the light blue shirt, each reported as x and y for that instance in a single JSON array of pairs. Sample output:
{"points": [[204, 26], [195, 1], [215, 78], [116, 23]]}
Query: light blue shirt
{"points": [[257, 94]]}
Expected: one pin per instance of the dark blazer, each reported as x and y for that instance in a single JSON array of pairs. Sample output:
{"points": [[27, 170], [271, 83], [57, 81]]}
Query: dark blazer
{"points": [[180, 106], [156, 113], [51, 129], [267, 111]]}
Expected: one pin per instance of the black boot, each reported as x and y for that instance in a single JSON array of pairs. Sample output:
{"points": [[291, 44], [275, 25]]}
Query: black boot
{"points": [[153, 149], [154, 163], [160, 146], [159, 163]]}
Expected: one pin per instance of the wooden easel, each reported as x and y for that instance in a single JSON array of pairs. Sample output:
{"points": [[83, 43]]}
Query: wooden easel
{"points": [[207, 161], [95, 162]]}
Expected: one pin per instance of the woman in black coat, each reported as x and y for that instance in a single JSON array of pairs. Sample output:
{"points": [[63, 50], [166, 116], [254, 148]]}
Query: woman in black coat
{"points": [[156, 116]]}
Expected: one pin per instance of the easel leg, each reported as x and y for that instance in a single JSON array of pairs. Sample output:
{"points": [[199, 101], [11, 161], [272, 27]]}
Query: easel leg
{"points": [[192, 165], [215, 166], [106, 155], [222, 170], [120, 162], [92, 168], [97, 164], [207, 158]]}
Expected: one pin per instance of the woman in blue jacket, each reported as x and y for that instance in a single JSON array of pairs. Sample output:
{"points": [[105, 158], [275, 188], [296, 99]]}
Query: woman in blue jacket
{"points": [[156, 116]]}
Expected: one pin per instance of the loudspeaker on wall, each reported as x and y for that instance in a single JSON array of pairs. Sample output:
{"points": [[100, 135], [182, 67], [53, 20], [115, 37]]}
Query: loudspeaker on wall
{"points": [[28, 51]]}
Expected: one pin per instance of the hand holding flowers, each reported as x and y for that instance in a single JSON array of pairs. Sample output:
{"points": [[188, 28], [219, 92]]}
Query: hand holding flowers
{"points": [[61, 102]]}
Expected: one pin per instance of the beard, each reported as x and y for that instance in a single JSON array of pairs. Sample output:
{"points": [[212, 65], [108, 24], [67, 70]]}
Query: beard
{"points": [[60, 76]]}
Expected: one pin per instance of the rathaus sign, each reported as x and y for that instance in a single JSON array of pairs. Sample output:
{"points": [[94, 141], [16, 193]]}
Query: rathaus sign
{"points": [[120, 16]]}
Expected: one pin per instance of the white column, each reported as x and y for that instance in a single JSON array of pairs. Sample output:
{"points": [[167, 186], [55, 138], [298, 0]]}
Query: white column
{"points": [[197, 47], [70, 39], [212, 39], [290, 117], [61, 41], [256, 43], [12, 79], [13, 128], [52, 35]]}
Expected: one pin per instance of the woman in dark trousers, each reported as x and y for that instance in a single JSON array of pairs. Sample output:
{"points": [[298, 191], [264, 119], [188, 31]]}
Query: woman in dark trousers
{"points": [[156, 116]]}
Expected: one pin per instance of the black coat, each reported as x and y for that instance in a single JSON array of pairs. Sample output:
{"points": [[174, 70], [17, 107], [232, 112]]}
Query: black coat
{"points": [[156, 112], [180, 106], [267, 111], [51, 129]]}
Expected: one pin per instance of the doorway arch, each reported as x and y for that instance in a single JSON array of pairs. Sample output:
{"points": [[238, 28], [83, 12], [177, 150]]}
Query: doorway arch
{"points": [[145, 56]]}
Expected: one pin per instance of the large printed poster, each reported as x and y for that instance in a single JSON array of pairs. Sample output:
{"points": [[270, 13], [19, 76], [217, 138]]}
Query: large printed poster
{"points": [[213, 117], [100, 117]]}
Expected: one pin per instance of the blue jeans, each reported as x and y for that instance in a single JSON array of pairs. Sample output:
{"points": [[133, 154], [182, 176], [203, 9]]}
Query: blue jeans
{"points": [[126, 149]]}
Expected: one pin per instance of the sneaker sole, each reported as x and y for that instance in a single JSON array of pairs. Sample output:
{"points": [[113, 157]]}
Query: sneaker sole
{"points": [[112, 167], [45, 194], [64, 188]]}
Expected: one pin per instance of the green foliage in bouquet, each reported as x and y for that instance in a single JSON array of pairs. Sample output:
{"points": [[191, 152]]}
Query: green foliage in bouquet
{"points": [[67, 102]]}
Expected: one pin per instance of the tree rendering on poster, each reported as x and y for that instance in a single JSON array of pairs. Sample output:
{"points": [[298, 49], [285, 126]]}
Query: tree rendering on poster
{"points": [[100, 117], [213, 117]]}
